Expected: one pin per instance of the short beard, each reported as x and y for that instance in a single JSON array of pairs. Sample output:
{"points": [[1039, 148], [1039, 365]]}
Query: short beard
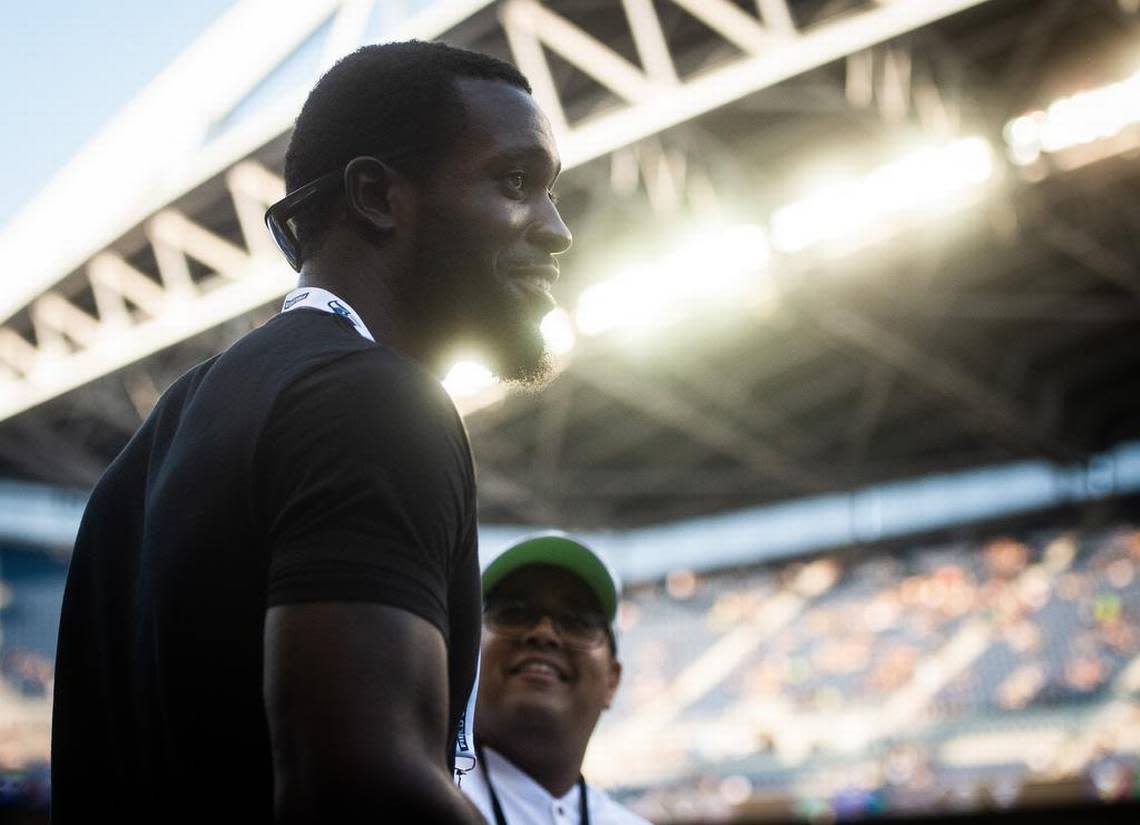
{"points": [[518, 355], [463, 310]]}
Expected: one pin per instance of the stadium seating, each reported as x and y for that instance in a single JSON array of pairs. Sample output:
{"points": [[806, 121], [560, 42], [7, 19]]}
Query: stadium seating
{"points": [[954, 676]]}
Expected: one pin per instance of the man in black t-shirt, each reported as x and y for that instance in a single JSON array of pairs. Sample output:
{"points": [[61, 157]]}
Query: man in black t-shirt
{"points": [[273, 607]]}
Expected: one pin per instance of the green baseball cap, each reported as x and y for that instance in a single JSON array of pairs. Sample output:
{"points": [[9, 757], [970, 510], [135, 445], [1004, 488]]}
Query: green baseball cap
{"points": [[560, 550]]}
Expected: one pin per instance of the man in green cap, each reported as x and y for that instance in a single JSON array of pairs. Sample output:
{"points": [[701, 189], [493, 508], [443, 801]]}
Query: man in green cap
{"points": [[549, 668]]}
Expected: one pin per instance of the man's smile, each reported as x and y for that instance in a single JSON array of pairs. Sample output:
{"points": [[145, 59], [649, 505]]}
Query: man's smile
{"points": [[535, 281], [543, 667]]}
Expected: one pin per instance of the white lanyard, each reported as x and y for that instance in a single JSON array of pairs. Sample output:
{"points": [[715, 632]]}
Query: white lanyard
{"points": [[465, 748], [325, 301]]}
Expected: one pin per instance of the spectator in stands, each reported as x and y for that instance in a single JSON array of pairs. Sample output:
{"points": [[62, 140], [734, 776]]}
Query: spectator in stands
{"points": [[31, 672], [549, 669], [298, 513]]}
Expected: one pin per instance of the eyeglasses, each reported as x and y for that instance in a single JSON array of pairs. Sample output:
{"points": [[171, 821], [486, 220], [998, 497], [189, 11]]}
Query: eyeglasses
{"points": [[281, 217], [577, 629]]}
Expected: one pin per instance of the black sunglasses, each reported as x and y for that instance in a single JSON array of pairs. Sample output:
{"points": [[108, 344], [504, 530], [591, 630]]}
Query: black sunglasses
{"points": [[281, 217], [578, 629]]}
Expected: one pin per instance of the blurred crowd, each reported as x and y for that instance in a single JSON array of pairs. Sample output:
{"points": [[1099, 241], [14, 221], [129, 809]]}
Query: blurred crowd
{"points": [[31, 588], [955, 676]]}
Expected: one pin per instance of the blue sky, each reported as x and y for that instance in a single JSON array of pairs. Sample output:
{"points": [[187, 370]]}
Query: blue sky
{"points": [[68, 65]]}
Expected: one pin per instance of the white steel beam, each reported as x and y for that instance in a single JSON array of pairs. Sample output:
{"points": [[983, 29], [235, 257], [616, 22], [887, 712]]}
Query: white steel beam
{"points": [[529, 57], [251, 186], [785, 58], [17, 355], [734, 25], [650, 41], [777, 16], [182, 235], [73, 347], [158, 147], [54, 312], [137, 316], [528, 19], [48, 375], [116, 282]]}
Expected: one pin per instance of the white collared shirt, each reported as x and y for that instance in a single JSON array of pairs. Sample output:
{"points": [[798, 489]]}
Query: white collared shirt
{"points": [[525, 802]]}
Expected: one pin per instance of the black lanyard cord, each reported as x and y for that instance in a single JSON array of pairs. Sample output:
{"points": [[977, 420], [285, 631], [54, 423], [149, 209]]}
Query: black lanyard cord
{"points": [[497, 808]]}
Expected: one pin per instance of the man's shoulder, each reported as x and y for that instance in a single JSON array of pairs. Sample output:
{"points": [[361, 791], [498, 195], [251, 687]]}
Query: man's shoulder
{"points": [[354, 398], [321, 351], [300, 335]]}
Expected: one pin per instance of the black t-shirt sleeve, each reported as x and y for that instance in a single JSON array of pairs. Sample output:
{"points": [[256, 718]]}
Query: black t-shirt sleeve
{"points": [[364, 472]]}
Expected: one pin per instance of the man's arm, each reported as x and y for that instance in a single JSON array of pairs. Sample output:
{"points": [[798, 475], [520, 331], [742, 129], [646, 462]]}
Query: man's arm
{"points": [[356, 698]]}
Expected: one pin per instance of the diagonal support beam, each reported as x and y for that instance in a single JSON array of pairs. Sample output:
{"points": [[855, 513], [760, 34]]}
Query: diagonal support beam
{"points": [[496, 489], [869, 412], [650, 41], [177, 309], [702, 425], [989, 409], [736, 26], [1058, 307], [252, 187], [777, 16], [54, 317], [781, 59], [16, 353], [1088, 251], [183, 236], [604, 445], [115, 282], [552, 421], [528, 20]]}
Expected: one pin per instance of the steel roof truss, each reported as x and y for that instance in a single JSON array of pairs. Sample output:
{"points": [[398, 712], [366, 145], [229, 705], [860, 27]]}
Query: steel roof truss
{"points": [[993, 411], [703, 425], [76, 347]]}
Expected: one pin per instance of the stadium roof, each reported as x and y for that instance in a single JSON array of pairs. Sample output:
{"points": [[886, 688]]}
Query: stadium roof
{"points": [[819, 245]]}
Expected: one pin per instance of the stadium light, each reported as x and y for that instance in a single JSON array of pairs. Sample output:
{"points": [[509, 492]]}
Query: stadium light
{"points": [[712, 266], [852, 212], [558, 332], [469, 378], [1068, 122]]}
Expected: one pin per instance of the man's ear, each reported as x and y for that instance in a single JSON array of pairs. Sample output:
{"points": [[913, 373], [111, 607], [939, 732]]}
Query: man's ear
{"points": [[375, 193], [613, 679]]}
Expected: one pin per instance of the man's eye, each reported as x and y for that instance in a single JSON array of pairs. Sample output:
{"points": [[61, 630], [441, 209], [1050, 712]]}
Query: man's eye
{"points": [[516, 181], [514, 615], [573, 622]]}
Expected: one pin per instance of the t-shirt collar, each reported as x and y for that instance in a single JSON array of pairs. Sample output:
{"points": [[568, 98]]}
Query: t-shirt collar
{"points": [[325, 301]]}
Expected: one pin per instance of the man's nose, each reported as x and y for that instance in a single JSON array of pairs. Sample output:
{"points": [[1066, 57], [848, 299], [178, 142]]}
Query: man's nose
{"points": [[549, 232], [543, 631]]}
